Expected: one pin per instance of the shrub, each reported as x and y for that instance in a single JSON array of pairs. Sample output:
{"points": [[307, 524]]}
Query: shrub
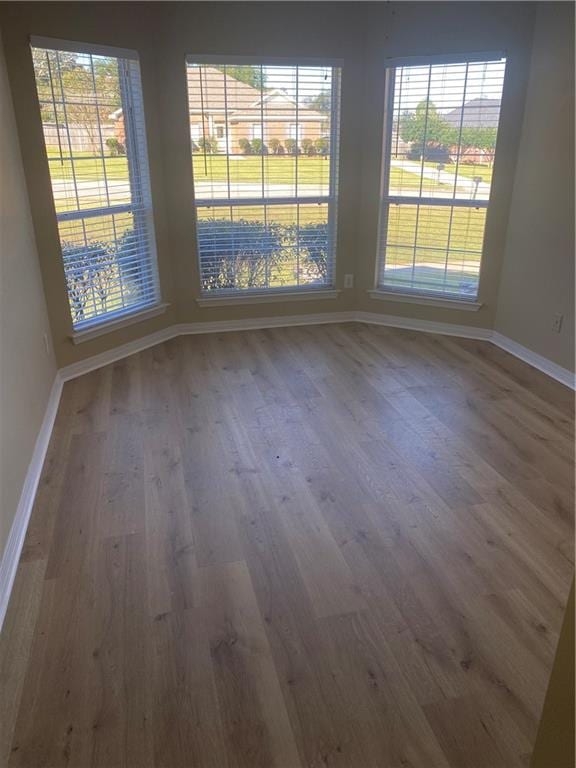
{"points": [[208, 145], [322, 146], [291, 146], [245, 254], [258, 147], [308, 147], [274, 145], [90, 273], [245, 146], [314, 238], [432, 152], [116, 147]]}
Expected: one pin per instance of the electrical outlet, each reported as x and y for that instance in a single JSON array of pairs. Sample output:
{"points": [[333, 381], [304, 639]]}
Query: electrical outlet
{"points": [[46, 343], [557, 322], [348, 281]]}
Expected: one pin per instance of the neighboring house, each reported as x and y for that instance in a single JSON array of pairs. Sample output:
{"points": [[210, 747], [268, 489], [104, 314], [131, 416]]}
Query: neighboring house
{"points": [[248, 112], [477, 113], [245, 109]]}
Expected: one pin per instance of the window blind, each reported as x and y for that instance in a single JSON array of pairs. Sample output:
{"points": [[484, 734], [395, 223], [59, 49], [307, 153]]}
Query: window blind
{"points": [[441, 125], [264, 143], [93, 122]]}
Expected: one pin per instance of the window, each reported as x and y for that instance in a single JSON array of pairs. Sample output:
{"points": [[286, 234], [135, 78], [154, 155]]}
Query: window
{"points": [[295, 132], [256, 131], [93, 121], [265, 209], [441, 124]]}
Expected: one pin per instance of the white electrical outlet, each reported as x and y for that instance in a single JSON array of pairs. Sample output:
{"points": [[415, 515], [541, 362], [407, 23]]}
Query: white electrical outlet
{"points": [[557, 322], [46, 343], [348, 281]]}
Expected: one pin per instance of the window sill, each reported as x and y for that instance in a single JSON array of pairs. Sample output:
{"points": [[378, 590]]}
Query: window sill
{"points": [[409, 298], [92, 332], [267, 298]]}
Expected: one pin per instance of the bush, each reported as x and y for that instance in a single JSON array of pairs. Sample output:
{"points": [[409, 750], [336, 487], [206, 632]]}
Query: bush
{"points": [[274, 146], [433, 153], [291, 147], [322, 146], [258, 147], [308, 147], [208, 145], [245, 253], [90, 273], [314, 238], [245, 146], [116, 147]]}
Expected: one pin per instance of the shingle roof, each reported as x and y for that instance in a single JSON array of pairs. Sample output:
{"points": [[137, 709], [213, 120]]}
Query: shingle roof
{"points": [[478, 113]]}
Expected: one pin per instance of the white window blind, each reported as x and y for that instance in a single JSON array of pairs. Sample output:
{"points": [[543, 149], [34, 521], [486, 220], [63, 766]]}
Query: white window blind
{"points": [[265, 192], [441, 124], [93, 121]]}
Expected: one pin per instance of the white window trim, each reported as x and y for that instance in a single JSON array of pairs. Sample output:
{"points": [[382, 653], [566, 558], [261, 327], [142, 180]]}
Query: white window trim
{"points": [[69, 46], [390, 66], [268, 297], [122, 321]]}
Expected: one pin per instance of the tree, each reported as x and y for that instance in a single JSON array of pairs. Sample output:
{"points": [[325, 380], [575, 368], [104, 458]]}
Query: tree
{"points": [[322, 102], [258, 147], [251, 75], [291, 146], [426, 124], [308, 147], [274, 146], [245, 146]]}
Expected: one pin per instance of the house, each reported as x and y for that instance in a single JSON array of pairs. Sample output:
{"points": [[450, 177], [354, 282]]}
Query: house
{"points": [[228, 110], [234, 110], [476, 113]]}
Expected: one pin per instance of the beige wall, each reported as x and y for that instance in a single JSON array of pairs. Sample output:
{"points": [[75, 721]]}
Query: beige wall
{"points": [[363, 35], [538, 272], [26, 369]]}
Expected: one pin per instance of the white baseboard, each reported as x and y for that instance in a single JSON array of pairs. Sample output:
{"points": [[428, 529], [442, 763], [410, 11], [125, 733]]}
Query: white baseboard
{"points": [[427, 326], [13, 549], [555, 371], [11, 556]]}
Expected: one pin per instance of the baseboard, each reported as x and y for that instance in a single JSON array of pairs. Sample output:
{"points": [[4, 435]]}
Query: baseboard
{"points": [[426, 326], [74, 370], [11, 556], [13, 549], [184, 329], [555, 371]]}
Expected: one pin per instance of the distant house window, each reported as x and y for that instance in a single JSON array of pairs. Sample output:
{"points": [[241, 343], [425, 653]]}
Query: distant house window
{"points": [[266, 212], [256, 130], [219, 132], [296, 132], [441, 125], [93, 119]]}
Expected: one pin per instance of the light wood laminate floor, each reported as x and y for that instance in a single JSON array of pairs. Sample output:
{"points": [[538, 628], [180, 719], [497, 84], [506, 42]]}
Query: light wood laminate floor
{"points": [[337, 546]]}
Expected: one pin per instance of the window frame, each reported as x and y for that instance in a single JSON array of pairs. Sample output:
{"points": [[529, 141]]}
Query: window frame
{"points": [[138, 169], [379, 290], [246, 295]]}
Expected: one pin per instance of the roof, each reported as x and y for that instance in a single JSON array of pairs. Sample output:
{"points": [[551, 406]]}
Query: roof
{"points": [[206, 93], [478, 113]]}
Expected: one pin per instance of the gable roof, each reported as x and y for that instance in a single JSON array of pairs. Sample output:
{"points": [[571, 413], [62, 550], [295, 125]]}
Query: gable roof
{"points": [[478, 113], [206, 88]]}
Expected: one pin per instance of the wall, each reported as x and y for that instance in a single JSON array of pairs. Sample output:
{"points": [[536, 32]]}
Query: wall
{"points": [[363, 35], [538, 272], [27, 370], [554, 747]]}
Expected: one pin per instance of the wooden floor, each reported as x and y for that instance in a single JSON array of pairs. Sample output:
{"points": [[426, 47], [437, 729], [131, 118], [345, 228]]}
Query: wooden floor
{"points": [[329, 546]]}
